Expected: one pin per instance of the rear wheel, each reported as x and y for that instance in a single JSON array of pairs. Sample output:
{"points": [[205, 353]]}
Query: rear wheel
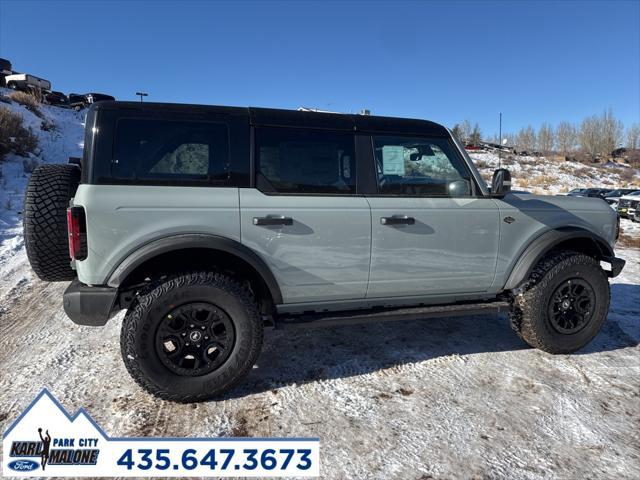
{"points": [[565, 305], [45, 220], [191, 337]]}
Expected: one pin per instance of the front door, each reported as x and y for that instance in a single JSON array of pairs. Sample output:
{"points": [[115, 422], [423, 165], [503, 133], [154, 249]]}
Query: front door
{"points": [[304, 218], [430, 234]]}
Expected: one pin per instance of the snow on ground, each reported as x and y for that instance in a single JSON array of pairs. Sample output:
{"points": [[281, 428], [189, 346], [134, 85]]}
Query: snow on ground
{"points": [[630, 228], [551, 177], [456, 397], [447, 398], [54, 146]]}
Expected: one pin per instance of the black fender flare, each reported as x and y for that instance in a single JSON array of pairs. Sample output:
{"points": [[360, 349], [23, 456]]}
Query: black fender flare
{"points": [[196, 240], [540, 246]]}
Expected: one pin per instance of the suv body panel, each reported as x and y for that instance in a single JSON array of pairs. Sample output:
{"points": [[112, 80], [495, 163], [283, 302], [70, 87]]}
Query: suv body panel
{"points": [[324, 255], [196, 242], [535, 215], [123, 218], [450, 249]]}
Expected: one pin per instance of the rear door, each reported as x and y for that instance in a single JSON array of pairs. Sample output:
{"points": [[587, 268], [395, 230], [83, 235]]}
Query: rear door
{"points": [[430, 234], [304, 217]]}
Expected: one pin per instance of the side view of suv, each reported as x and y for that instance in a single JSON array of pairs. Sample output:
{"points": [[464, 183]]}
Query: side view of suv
{"points": [[207, 224]]}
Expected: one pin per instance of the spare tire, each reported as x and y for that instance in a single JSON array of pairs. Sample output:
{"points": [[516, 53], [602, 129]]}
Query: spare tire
{"points": [[45, 220]]}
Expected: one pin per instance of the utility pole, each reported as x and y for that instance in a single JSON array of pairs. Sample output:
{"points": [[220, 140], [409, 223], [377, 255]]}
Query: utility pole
{"points": [[500, 141], [142, 94]]}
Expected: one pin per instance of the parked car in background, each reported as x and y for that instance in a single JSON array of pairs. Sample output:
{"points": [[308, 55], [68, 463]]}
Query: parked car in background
{"points": [[5, 69], [628, 204], [612, 198], [57, 99], [26, 82], [98, 97], [591, 192], [575, 192], [79, 101]]}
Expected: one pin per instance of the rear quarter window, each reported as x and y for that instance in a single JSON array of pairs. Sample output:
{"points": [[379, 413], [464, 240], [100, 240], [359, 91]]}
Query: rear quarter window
{"points": [[167, 152]]}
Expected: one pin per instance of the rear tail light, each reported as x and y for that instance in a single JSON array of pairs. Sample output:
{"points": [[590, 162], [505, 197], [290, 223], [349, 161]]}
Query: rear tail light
{"points": [[77, 228]]}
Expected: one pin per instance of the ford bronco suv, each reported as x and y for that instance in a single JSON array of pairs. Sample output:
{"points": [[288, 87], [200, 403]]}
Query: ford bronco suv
{"points": [[207, 224]]}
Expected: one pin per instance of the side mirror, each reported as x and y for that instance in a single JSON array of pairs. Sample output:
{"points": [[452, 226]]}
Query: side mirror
{"points": [[459, 188], [501, 182]]}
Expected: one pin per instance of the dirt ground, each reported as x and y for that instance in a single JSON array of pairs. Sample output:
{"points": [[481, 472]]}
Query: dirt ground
{"points": [[447, 398]]}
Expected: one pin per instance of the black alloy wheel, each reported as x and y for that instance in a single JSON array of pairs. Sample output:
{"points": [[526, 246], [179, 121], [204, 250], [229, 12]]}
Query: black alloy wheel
{"points": [[571, 306], [195, 339]]}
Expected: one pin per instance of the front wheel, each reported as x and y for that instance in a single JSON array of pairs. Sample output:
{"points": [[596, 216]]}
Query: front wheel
{"points": [[565, 306], [191, 337]]}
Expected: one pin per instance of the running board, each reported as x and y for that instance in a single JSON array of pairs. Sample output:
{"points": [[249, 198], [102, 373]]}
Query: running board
{"points": [[330, 319]]}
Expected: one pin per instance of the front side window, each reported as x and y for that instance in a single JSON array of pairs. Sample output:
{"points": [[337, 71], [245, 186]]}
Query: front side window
{"points": [[165, 151], [295, 160], [420, 167]]}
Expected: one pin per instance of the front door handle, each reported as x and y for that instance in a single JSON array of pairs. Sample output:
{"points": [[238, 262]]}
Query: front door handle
{"points": [[273, 220], [398, 220]]}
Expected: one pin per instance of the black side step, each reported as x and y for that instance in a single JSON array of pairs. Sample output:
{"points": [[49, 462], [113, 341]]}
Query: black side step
{"points": [[387, 315]]}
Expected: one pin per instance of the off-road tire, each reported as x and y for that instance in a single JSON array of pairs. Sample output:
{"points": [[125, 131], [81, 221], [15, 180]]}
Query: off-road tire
{"points": [[137, 339], [45, 220], [529, 315]]}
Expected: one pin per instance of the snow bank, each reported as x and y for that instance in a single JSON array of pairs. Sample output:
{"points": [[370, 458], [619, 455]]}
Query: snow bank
{"points": [[54, 146]]}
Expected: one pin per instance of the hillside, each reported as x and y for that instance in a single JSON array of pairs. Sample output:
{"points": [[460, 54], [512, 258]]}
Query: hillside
{"points": [[61, 138], [545, 176]]}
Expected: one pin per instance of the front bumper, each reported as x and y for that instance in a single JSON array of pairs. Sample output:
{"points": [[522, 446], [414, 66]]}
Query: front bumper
{"points": [[86, 305], [617, 264]]}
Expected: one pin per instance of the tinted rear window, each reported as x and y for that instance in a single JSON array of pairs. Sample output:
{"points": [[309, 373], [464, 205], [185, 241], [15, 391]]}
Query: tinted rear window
{"points": [[296, 160], [161, 151]]}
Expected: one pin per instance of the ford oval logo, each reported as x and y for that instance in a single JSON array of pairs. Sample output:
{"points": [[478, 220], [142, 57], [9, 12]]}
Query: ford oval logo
{"points": [[23, 465]]}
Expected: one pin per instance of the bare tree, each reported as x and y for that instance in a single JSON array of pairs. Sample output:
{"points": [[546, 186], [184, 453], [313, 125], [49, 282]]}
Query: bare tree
{"points": [[610, 133], [526, 140], [589, 136], [546, 139], [456, 131], [633, 136], [512, 139], [476, 135], [567, 137], [465, 131]]}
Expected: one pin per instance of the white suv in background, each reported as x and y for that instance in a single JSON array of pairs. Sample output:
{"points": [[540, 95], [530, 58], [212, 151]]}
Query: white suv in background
{"points": [[628, 204], [612, 198]]}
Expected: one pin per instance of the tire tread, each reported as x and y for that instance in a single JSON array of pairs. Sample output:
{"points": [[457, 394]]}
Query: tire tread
{"points": [[154, 291], [528, 306], [46, 200]]}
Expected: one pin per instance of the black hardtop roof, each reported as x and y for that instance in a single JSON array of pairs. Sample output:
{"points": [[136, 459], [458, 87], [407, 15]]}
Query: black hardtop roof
{"points": [[293, 118]]}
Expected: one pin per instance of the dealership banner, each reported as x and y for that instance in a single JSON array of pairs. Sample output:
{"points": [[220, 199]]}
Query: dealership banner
{"points": [[46, 441]]}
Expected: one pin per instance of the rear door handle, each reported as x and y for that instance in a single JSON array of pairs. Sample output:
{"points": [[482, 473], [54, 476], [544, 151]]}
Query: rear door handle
{"points": [[273, 220], [398, 220]]}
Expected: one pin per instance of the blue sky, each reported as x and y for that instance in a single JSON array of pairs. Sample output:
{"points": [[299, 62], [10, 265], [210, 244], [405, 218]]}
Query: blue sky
{"points": [[446, 61]]}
